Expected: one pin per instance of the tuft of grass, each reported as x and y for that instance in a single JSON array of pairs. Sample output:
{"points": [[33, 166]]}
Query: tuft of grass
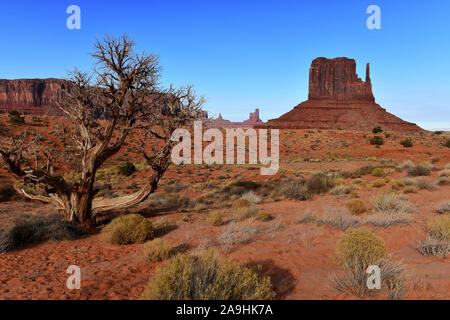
{"points": [[127, 229], [389, 201], [35, 229], [262, 215], [339, 218], [356, 206], [157, 250], [207, 276], [379, 183], [241, 203], [385, 220], [424, 183], [377, 172], [252, 197], [340, 190], [419, 170], [295, 189], [437, 242], [215, 218], [410, 189], [319, 183], [243, 213], [443, 207]]}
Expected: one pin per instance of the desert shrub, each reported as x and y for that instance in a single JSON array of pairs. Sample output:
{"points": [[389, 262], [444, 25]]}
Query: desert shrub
{"points": [[319, 183], [377, 130], [444, 173], [262, 215], [127, 169], [377, 140], [443, 181], [379, 183], [356, 206], [397, 184], [252, 197], [30, 229], [406, 165], [241, 203], [174, 188], [215, 218], [419, 170], [338, 218], [361, 246], [207, 276], [377, 172], [157, 250], [340, 190], [447, 143], [358, 172], [127, 229], [243, 213], [240, 187], [16, 118], [386, 219], [424, 183], [443, 207], [406, 143], [410, 189], [295, 189], [388, 201], [7, 192], [440, 228]]}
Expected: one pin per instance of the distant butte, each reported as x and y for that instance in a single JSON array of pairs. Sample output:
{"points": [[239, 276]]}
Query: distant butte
{"points": [[252, 121], [339, 99]]}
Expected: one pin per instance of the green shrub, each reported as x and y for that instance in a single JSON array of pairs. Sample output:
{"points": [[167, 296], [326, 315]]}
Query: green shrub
{"points": [[377, 140], [377, 130], [157, 250], [127, 169], [35, 229], [407, 143], [356, 206], [215, 218], [419, 170], [7, 192], [319, 183], [207, 276], [377, 172], [361, 246], [130, 228]]}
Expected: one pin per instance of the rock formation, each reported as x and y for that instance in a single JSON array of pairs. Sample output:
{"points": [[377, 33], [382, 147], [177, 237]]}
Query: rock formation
{"points": [[32, 96], [220, 122], [338, 99]]}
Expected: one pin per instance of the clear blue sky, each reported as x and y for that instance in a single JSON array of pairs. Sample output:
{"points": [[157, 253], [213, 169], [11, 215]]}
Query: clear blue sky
{"points": [[246, 54]]}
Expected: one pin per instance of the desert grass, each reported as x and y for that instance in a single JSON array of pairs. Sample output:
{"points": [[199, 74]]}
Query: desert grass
{"points": [[339, 218]]}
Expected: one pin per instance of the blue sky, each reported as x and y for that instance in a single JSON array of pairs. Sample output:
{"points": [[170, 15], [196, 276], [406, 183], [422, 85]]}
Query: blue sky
{"points": [[246, 54]]}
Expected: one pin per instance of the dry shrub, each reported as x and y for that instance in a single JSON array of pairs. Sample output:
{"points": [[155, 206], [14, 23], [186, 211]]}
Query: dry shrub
{"points": [[262, 215], [361, 246], [389, 201], [295, 189], [379, 183], [406, 165], [377, 172], [35, 229], [252, 197], [157, 250], [444, 173], [440, 228], [397, 184], [437, 242], [241, 203], [356, 206], [215, 218], [443, 181], [388, 219], [245, 212], [235, 235], [443, 207], [410, 189], [340, 190], [207, 276], [424, 183], [319, 183], [127, 229], [419, 170], [339, 218]]}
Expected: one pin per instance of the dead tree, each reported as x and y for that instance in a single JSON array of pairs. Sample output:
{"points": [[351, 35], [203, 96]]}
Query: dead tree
{"points": [[119, 91]]}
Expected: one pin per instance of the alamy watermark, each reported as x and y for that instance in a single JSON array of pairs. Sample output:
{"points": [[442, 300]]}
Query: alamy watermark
{"points": [[213, 153], [374, 21], [74, 20]]}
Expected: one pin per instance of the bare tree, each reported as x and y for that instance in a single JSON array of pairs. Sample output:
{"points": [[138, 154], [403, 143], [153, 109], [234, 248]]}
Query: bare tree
{"points": [[123, 91]]}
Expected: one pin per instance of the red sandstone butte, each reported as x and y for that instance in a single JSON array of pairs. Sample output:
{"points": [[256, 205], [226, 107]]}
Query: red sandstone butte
{"points": [[252, 121], [32, 96], [338, 99]]}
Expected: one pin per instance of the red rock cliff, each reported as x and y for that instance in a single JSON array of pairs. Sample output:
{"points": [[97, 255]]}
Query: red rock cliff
{"points": [[32, 96]]}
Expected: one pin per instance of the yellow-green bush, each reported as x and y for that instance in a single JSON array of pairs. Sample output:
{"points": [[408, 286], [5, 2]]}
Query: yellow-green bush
{"points": [[410, 189], [379, 183], [356, 206], [157, 250], [241, 203], [207, 276], [440, 228], [245, 212], [362, 247], [131, 228], [215, 218], [397, 184], [262, 215], [378, 172]]}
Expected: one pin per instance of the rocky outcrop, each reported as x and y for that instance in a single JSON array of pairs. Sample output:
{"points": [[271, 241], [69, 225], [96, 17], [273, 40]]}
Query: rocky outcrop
{"points": [[32, 96], [338, 99], [220, 122]]}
